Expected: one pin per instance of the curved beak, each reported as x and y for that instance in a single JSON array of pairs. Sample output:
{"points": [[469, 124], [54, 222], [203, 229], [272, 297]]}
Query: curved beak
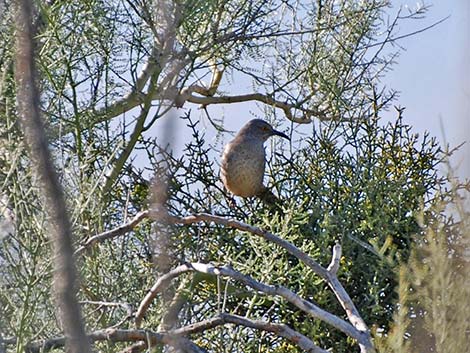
{"points": [[278, 133]]}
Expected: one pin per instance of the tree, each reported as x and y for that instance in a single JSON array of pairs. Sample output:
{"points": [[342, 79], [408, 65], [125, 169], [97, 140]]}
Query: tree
{"points": [[108, 70]]}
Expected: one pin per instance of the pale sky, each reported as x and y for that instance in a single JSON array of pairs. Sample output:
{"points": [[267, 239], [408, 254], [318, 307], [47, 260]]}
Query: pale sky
{"points": [[433, 75]]}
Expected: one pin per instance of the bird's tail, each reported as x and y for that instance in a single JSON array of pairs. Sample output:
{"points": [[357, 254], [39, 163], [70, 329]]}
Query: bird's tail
{"points": [[270, 200]]}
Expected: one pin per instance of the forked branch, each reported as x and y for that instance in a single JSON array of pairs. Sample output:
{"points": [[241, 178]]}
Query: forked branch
{"points": [[226, 271], [329, 275], [358, 330]]}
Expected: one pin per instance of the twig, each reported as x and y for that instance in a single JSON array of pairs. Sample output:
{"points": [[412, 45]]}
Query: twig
{"points": [[126, 306], [121, 230], [406, 35]]}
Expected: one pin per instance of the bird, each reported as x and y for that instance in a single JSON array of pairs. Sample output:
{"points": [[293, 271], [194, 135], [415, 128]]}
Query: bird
{"points": [[244, 158]]}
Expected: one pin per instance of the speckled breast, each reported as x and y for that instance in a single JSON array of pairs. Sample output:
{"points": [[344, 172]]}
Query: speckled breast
{"points": [[242, 167]]}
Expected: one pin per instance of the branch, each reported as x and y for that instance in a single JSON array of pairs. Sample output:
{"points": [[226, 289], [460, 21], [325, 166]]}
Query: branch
{"points": [[281, 291], [173, 307], [158, 287], [134, 138], [125, 306], [329, 275], [290, 248], [117, 335], [28, 99], [121, 230], [136, 347], [136, 96], [281, 330], [166, 91], [176, 338], [406, 35], [155, 65], [187, 95], [215, 80]]}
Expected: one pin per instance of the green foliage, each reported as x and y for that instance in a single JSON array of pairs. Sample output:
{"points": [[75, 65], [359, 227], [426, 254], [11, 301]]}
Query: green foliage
{"points": [[363, 186], [433, 294], [25, 268]]}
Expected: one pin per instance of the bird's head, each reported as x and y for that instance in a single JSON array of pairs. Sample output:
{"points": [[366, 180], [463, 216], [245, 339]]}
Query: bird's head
{"points": [[260, 129]]}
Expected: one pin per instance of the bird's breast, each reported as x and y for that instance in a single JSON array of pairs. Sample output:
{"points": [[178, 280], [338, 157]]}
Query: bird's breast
{"points": [[242, 168]]}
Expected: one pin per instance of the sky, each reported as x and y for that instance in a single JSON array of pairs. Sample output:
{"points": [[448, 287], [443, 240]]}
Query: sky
{"points": [[432, 75]]}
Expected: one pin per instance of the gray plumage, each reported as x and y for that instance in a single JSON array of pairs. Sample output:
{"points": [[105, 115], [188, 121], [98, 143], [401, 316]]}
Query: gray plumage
{"points": [[243, 159]]}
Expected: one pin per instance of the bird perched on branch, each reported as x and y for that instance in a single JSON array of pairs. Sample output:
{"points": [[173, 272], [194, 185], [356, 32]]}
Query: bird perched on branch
{"points": [[244, 158]]}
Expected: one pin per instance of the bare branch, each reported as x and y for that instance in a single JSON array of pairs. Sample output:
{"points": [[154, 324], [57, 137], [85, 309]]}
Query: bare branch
{"points": [[136, 98], [170, 317], [279, 329], [117, 335], [341, 294], [176, 338], [158, 287], [166, 90], [121, 230], [281, 291], [287, 108]]}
